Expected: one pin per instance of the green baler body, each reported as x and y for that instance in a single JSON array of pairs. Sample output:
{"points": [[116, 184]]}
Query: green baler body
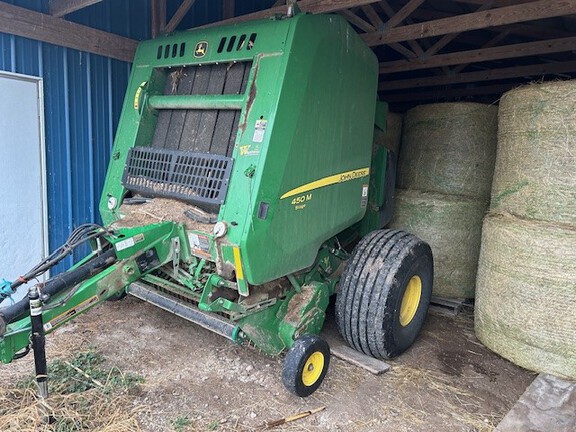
{"points": [[291, 105], [303, 178]]}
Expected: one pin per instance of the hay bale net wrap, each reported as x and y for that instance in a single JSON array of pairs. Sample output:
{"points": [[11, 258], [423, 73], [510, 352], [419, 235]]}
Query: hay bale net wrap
{"points": [[452, 226], [526, 293], [449, 148], [536, 160]]}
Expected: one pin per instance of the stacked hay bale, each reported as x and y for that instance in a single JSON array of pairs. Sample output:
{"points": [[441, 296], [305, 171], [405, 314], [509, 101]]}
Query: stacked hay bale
{"points": [[526, 287], [444, 178]]}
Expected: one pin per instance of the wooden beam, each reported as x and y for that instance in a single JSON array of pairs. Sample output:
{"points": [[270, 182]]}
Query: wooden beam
{"points": [[178, 15], [377, 23], [373, 16], [390, 13], [492, 42], [525, 29], [228, 7], [59, 8], [443, 94], [536, 70], [311, 6], [446, 39], [496, 3], [403, 13], [357, 21], [484, 54], [158, 17], [38, 26], [474, 21]]}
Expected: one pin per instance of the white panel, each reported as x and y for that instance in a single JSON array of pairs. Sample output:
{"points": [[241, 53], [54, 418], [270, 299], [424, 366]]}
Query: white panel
{"points": [[22, 185]]}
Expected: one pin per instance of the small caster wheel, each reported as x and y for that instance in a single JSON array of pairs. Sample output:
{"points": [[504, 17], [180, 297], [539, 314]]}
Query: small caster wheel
{"points": [[305, 365]]}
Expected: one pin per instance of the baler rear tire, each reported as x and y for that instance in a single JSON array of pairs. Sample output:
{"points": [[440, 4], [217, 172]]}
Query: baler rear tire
{"points": [[384, 293]]}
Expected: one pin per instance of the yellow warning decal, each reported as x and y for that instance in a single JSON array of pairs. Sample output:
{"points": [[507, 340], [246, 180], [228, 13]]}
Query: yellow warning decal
{"points": [[238, 263], [137, 95], [71, 313], [327, 181]]}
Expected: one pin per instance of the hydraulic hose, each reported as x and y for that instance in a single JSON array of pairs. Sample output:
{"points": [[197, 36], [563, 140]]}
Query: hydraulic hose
{"points": [[58, 284]]}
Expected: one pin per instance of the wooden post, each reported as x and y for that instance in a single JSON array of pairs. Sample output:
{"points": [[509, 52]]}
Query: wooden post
{"points": [[158, 17], [228, 9]]}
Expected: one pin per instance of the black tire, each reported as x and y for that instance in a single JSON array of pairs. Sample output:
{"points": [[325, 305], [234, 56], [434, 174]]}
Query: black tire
{"points": [[298, 374], [372, 289]]}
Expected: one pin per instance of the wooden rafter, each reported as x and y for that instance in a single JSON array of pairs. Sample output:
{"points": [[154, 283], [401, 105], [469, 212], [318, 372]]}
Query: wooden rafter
{"points": [[483, 54], [536, 70], [495, 3], [418, 96], [530, 30], [311, 6], [474, 21], [46, 28], [179, 15], [491, 43], [446, 39], [403, 13], [228, 9], [158, 17], [357, 21], [373, 16], [377, 23], [390, 24], [59, 8]]}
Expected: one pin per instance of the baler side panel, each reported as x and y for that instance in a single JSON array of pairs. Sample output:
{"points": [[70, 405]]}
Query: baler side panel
{"points": [[329, 73]]}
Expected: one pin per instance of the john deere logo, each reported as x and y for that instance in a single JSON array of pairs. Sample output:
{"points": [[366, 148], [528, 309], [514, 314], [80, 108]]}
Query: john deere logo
{"points": [[200, 50]]}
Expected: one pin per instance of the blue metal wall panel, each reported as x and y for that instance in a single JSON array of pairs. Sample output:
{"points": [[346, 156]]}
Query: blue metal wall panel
{"points": [[207, 11], [83, 97]]}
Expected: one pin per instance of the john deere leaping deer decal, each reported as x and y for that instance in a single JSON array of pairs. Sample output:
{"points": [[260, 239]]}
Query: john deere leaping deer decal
{"points": [[200, 50]]}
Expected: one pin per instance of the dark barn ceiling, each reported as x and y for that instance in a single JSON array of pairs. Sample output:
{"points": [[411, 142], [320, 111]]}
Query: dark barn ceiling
{"points": [[429, 50]]}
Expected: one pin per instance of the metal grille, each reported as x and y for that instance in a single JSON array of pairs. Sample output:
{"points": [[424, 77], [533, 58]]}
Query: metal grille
{"points": [[194, 177]]}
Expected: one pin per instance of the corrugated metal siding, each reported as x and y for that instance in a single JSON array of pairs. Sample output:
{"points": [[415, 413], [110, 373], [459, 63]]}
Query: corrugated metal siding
{"points": [[207, 11], [83, 99], [84, 94]]}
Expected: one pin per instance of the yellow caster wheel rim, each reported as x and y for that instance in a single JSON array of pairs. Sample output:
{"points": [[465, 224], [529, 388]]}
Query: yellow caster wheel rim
{"points": [[313, 368]]}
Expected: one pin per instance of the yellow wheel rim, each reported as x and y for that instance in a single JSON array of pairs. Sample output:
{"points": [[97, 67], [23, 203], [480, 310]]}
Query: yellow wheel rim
{"points": [[410, 301], [313, 368]]}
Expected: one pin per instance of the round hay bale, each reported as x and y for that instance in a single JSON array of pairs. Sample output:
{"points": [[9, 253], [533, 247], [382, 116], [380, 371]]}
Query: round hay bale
{"points": [[526, 292], [452, 226], [535, 166], [449, 148]]}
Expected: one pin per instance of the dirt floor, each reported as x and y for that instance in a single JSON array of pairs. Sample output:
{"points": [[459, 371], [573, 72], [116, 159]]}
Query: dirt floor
{"points": [[197, 381]]}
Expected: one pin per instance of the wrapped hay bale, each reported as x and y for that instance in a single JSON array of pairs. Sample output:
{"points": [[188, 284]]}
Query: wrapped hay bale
{"points": [[526, 293], [536, 161], [449, 148], [452, 226]]}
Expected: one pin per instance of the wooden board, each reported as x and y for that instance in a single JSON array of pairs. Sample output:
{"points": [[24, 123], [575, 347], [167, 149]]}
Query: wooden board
{"points": [[341, 350], [548, 404]]}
